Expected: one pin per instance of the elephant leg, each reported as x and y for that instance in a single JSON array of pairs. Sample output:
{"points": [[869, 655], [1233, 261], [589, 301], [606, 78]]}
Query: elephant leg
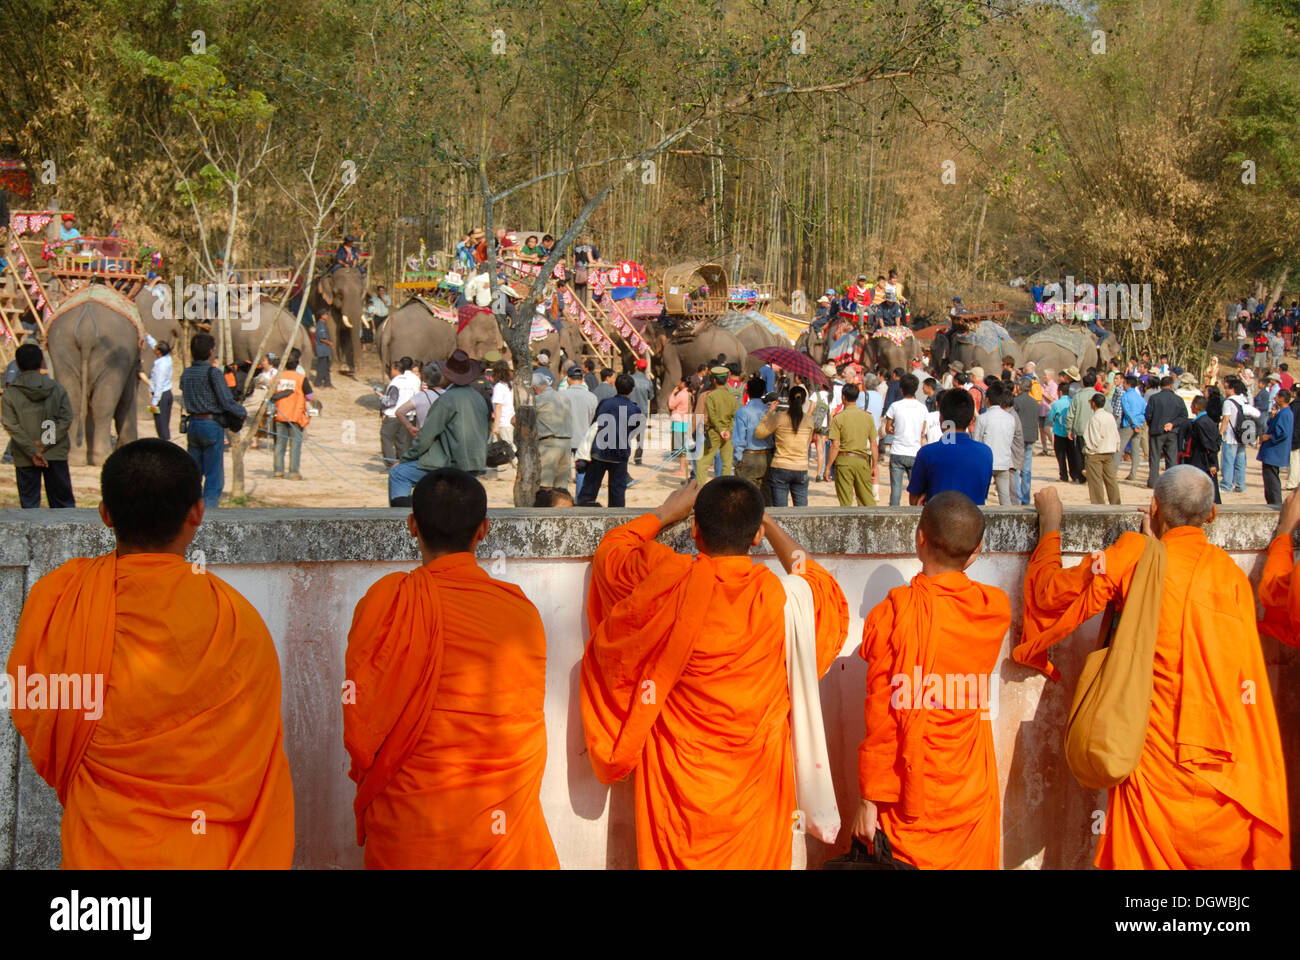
{"points": [[124, 416]]}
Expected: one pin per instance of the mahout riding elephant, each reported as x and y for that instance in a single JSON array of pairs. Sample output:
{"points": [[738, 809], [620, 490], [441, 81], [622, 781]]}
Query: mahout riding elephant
{"points": [[1046, 349], [971, 354], [94, 343], [415, 331], [340, 297], [708, 342]]}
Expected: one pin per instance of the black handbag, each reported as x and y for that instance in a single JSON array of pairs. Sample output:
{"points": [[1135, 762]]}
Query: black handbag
{"points": [[860, 858], [499, 453]]}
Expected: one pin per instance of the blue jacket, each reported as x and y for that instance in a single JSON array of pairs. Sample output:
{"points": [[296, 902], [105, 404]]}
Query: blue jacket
{"points": [[1134, 408], [1276, 450], [617, 420], [742, 428]]}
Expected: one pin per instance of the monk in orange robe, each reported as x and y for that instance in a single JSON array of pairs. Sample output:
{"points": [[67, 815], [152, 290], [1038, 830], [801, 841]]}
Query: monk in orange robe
{"points": [[1209, 791], [684, 678], [1279, 587], [181, 763], [442, 715], [926, 768]]}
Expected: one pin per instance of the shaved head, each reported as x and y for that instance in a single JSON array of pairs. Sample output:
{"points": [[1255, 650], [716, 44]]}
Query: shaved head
{"points": [[1185, 495], [729, 511], [953, 526]]}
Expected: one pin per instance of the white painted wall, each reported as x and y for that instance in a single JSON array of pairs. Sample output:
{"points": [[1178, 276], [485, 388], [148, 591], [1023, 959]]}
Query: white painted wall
{"points": [[1047, 819]]}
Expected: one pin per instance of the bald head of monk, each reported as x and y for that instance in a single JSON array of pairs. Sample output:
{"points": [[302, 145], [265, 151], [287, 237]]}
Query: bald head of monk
{"points": [[949, 534], [152, 497], [728, 517], [1183, 497], [448, 513]]}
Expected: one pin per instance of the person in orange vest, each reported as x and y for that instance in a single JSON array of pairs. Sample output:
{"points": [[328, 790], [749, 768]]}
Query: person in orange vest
{"points": [[292, 391]]}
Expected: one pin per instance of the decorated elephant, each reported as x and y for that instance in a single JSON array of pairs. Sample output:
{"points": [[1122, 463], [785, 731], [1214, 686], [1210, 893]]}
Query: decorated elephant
{"points": [[247, 331], [415, 331], [340, 297], [891, 348], [481, 334], [566, 347], [704, 345], [94, 344], [983, 347], [1062, 345]]}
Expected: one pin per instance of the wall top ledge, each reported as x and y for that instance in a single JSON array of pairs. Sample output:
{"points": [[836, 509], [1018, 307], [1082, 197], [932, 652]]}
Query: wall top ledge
{"points": [[45, 538]]}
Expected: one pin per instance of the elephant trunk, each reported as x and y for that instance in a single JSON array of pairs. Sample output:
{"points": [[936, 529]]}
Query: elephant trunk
{"points": [[85, 397]]}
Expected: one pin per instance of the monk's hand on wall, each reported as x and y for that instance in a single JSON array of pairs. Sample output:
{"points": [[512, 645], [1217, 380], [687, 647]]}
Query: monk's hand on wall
{"points": [[1048, 504]]}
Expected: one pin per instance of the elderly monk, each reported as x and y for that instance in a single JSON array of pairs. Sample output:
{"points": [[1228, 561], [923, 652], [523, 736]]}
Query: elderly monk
{"points": [[442, 715], [684, 679], [927, 774], [1209, 791], [185, 768], [1279, 588]]}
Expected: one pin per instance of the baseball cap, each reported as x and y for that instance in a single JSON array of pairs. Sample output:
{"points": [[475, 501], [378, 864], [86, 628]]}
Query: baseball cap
{"points": [[641, 364], [574, 371]]}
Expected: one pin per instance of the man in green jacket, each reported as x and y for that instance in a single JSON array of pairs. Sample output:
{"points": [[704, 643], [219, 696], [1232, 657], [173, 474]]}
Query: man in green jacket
{"points": [[719, 415], [37, 414], [455, 432]]}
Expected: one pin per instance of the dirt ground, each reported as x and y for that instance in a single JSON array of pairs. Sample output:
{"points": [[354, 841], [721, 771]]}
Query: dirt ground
{"points": [[341, 464]]}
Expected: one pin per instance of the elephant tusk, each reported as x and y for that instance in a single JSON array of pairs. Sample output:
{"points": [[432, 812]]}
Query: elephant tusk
{"points": [[346, 322]]}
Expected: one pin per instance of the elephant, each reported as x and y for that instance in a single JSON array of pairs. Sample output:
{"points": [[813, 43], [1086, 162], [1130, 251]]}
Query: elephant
{"points": [[159, 319], [413, 330], [568, 341], [93, 345], [754, 336], [340, 297], [246, 332], [943, 351], [884, 355], [1047, 353], [481, 335], [705, 345]]}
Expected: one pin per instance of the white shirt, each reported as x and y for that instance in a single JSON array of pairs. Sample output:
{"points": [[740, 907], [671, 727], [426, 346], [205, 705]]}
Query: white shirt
{"points": [[908, 418], [933, 428], [160, 374], [997, 429], [408, 385], [503, 394], [1233, 417]]}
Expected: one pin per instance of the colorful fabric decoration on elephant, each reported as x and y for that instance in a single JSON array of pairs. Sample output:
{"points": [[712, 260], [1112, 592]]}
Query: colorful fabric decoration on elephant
{"points": [[467, 313], [541, 329], [986, 336], [845, 346], [597, 336], [108, 297], [1062, 335], [896, 334]]}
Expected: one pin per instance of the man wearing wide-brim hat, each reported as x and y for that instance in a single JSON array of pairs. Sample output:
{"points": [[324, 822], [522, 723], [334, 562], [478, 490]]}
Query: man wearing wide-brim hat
{"points": [[455, 433]]}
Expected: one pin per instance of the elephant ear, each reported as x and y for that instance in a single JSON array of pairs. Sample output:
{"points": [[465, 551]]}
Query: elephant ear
{"points": [[326, 289]]}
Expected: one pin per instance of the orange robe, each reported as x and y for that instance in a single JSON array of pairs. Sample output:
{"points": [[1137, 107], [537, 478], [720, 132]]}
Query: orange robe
{"points": [[927, 760], [684, 681], [186, 767], [1210, 789], [445, 727], [1279, 593]]}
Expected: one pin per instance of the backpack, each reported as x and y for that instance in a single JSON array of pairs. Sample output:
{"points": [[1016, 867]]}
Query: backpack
{"points": [[821, 415], [1246, 428]]}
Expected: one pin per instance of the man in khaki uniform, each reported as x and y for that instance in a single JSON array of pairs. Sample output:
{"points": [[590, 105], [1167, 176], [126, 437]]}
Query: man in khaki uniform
{"points": [[719, 413], [853, 445]]}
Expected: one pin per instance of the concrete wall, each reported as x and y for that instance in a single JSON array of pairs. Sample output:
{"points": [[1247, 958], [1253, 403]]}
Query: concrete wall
{"points": [[304, 570]]}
